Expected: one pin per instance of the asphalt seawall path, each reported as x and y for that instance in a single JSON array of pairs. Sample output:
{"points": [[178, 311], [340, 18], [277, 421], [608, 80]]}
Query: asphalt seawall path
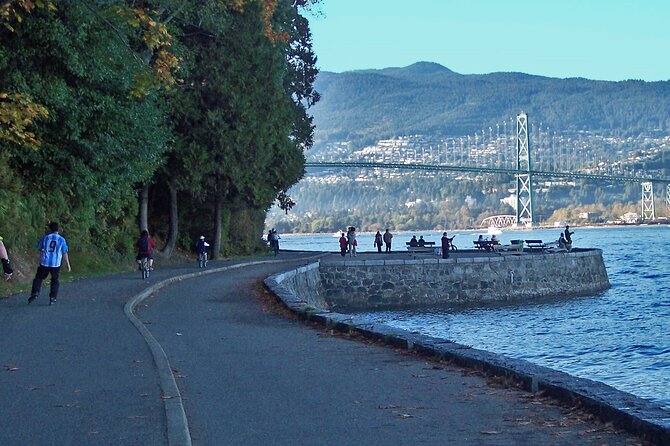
{"points": [[79, 373]]}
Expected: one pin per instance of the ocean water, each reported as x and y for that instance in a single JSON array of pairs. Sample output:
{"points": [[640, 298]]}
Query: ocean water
{"points": [[620, 337]]}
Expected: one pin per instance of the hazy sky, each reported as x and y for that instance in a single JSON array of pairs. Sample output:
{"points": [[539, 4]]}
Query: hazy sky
{"points": [[595, 39]]}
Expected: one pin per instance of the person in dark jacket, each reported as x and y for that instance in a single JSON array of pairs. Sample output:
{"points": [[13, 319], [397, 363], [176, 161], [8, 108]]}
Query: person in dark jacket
{"points": [[445, 245], [379, 241]]}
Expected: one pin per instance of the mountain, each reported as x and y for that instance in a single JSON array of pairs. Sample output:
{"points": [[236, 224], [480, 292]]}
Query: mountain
{"points": [[364, 106]]}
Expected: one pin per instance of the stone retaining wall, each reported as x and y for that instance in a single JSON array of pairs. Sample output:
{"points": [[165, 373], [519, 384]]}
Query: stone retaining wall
{"points": [[385, 284], [304, 296]]}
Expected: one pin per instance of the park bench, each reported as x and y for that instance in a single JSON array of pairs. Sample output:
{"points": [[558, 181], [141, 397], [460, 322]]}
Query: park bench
{"points": [[535, 245], [515, 247], [486, 245], [428, 248]]}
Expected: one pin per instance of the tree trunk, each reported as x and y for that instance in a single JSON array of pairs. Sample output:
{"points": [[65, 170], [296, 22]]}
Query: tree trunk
{"points": [[217, 229], [174, 222], [144, 207]]}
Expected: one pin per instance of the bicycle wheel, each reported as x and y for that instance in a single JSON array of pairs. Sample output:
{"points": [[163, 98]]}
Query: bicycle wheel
{"points": [[145, 268]]}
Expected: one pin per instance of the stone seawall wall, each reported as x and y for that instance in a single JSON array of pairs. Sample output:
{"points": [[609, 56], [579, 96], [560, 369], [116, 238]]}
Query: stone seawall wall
{"points": [[301, 285], [386, 284]]}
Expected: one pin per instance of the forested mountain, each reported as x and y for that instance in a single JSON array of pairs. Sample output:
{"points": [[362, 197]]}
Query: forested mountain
{"points": [[429, 99]]}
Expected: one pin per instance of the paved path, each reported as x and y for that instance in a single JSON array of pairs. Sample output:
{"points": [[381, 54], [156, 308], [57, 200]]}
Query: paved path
{"points": [[79, 373]]}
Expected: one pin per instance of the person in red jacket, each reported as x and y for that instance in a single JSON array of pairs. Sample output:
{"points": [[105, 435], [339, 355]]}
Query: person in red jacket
{"points": [[145, 248], [343, 245]]}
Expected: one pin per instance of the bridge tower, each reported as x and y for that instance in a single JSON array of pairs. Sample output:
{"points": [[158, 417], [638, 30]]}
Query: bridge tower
{"points": [[648, 211], [524, 184], [667, 201]]}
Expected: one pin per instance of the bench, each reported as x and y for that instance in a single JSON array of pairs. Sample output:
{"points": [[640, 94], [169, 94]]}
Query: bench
{"points": [[425, 244], [428, 247], [554, 247], [516, 246], [421, 249], [486, 245], [535, 245]]}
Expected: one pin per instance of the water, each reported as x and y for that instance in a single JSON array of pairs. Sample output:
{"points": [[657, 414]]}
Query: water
{"points": [[620, 337]]}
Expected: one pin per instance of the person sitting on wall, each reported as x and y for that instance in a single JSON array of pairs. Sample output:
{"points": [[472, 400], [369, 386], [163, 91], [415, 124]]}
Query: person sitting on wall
{"points": [[414, 242], [422, 242], [562, 243]]}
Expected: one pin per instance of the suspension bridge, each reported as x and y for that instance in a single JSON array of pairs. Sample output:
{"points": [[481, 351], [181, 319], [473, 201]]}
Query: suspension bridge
{"points": [[496, 152]]}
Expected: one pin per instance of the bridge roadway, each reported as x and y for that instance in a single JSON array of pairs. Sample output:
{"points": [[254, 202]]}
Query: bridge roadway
{"points": [[483, 169], [79, 373]]}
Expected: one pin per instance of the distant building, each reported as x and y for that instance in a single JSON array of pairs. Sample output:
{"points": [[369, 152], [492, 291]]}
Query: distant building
{"points": [[510, 200], [631, 217], [589, 215]]}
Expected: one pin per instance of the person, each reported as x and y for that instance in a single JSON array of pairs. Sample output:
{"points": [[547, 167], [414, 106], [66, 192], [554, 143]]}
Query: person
{"points": [[351, 241], [54, 250], [414, 242], [145, 248], [270, 243], [343, 245], [494, 239], [387, 240], [568, 237], [562, 243], [422, 242], [4, 257], [445, 245], [378, 241], [275, 240], [202, 248]]}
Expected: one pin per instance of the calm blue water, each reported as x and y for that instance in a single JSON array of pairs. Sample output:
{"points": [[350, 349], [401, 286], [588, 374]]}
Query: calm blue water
{"points": [[620, 337]]}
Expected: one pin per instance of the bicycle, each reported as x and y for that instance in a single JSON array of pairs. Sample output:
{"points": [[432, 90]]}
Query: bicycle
{"points": [[202, 260], [144, 267]]}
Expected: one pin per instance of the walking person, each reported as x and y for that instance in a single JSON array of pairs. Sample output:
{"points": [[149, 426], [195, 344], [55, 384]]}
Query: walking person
{"points": [[351, 241], [387, 240], [378, 241], [275, 241], [343, 245], [53, 248], [445, 245], [4, 257]]}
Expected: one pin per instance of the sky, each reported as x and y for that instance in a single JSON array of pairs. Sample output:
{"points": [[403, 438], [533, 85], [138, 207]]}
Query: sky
{"points": [[596, 39]]}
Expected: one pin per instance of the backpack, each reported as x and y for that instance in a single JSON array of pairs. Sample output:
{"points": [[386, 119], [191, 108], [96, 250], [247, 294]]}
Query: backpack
{"points": [[143, 245]]}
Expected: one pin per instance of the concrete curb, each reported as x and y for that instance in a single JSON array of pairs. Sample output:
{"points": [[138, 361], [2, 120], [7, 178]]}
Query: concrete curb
{"points": [[177, 423], [629, 412]]}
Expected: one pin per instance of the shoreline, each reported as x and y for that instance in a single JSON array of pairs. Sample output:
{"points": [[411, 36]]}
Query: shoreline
{"points": [[625, 410], [505, 229]]}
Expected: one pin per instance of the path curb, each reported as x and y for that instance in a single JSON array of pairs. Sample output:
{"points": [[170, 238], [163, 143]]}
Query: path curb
{"points": [[177, 424], [629, 412]]}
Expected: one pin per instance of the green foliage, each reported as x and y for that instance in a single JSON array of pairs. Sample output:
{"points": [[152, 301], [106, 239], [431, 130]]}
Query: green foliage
{"points": [[82, 81]]}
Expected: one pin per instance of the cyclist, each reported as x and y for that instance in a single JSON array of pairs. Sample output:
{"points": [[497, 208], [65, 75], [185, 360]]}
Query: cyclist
{"points": [[202, 248], [7, 269], [145, 248]]}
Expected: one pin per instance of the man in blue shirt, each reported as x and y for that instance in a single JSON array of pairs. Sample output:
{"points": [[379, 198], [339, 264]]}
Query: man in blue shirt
{"points": [[54, 250]]}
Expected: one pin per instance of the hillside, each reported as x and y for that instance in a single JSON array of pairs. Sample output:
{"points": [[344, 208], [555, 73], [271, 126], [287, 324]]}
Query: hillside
{"points": [[427, 98]]}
